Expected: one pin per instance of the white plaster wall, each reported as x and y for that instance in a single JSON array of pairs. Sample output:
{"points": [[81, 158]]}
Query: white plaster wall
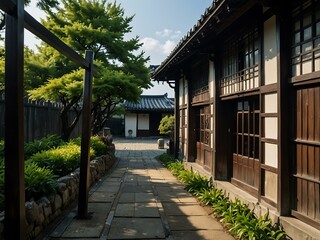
{"points": [[270, 51], [271, 185], [186, 94], [271, 103], [212, 95], [181, 91], [143, 121], [211, 79], [271, 127], [271, 154], [131, 123]]}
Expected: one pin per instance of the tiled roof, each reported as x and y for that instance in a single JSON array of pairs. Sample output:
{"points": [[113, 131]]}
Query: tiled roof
{"points": [[155, 103]]}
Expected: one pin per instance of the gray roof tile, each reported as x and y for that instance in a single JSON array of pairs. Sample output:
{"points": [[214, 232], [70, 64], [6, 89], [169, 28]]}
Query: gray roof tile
{"points": [[154, 103]]}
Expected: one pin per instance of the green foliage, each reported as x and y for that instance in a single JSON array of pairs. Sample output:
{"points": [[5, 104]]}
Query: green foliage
{"points": [[176, 167], [121, 70], [234, 215], [46, 143], [166, 158], [96, 143], [193, 181], [62, 160], [39, 181], [166, 125], [1, 149]]}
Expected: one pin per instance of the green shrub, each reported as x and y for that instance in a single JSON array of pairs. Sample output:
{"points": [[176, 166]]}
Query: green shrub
{"points": [[96, 143], [39, 181], [194, 181], [166, 158], [46, 143], [166, 125], [1, 149], [62, 160], [175, 167]]}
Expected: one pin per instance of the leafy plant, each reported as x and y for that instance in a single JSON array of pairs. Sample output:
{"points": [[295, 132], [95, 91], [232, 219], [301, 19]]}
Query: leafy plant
{"points": [[166, 125], [166, 158], [1, 149], [96, 143], [46, 143], [39, 181], [61, 160], [176, 167]]}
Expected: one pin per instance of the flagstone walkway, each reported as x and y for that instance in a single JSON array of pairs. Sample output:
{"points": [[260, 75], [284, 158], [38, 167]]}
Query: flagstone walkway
{"points": [[140, 199]]}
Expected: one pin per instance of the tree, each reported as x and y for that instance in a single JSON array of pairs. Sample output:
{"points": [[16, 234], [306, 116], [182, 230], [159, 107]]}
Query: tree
{"points": [[166, 125], [42, 4], [101, 27]]}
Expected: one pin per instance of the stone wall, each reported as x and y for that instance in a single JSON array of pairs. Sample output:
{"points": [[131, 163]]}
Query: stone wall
{"points": [[42, 212]]}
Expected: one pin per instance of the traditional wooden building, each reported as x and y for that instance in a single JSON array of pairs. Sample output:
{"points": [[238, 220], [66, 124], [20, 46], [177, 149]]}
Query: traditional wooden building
{"points": [[142, 118], [247, 105]]}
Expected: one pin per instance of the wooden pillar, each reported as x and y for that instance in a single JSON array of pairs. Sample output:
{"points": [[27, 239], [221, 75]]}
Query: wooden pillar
{"points": [[15, 220], [85, 139], [176, 119], [284, 33]]}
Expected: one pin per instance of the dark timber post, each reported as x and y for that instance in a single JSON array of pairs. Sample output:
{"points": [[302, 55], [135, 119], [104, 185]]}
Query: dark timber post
{"points": [[85, 140], [176, 119], [14, 130]]}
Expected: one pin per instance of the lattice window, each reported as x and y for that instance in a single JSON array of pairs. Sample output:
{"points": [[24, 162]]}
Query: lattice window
{"points": [[240, 68], [205, 122], [306, 38], [247, 130]]}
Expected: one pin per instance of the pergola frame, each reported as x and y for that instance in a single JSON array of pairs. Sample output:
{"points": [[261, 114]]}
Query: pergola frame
{"points": [[16, 20]]}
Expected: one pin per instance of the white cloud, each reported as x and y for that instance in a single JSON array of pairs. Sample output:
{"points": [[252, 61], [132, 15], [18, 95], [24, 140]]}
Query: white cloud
{"points": [[169, 33], [156, 49], [151, 44], [168, 46]]}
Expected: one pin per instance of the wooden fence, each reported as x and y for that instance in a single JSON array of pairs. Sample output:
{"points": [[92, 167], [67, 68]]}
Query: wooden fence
{"points": [[40, 119]]}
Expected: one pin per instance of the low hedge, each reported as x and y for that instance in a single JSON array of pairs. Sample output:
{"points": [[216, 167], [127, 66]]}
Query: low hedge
{"points": [[96, 143], [45, 143], [61, 161], [240, 221]]}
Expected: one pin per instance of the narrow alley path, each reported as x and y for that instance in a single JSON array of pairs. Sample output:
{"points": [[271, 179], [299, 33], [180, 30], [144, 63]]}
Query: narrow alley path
{"points": [[140, 199]]}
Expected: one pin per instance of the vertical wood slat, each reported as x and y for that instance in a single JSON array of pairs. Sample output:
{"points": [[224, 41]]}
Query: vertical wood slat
{"points": [[14, 127], [308, 154], [317, 186]]}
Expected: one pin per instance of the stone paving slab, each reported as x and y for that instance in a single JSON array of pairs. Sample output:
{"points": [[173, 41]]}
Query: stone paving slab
{"points": [[136, 228], [192, 223], [202, 234], [89, 228], [179, 209], [102, 197]]}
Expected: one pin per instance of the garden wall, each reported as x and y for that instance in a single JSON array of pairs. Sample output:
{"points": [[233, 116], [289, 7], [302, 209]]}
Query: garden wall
{"points": [[40, 119]]}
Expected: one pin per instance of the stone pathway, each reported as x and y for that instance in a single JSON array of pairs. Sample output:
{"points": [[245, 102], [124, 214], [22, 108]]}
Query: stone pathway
{"points": [[140, 199]]}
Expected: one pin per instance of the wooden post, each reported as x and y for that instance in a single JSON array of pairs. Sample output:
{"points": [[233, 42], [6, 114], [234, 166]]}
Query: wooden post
{"points": [[284, 100], [85, 139], [176, 119], [15, 220]]}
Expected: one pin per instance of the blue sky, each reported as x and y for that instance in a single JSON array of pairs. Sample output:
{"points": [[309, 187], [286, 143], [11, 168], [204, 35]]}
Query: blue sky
{"points": [[160, 24]]}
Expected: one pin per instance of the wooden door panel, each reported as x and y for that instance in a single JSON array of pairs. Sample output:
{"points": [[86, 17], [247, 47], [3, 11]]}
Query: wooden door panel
{"points": [[307, 144]]}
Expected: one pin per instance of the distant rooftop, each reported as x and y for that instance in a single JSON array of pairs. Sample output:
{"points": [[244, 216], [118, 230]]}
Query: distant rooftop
{"points": [[153, 103]]}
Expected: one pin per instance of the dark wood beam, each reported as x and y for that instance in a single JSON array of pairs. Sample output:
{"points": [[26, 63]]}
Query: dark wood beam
{"points": [[84, 184], [15, 221]]}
